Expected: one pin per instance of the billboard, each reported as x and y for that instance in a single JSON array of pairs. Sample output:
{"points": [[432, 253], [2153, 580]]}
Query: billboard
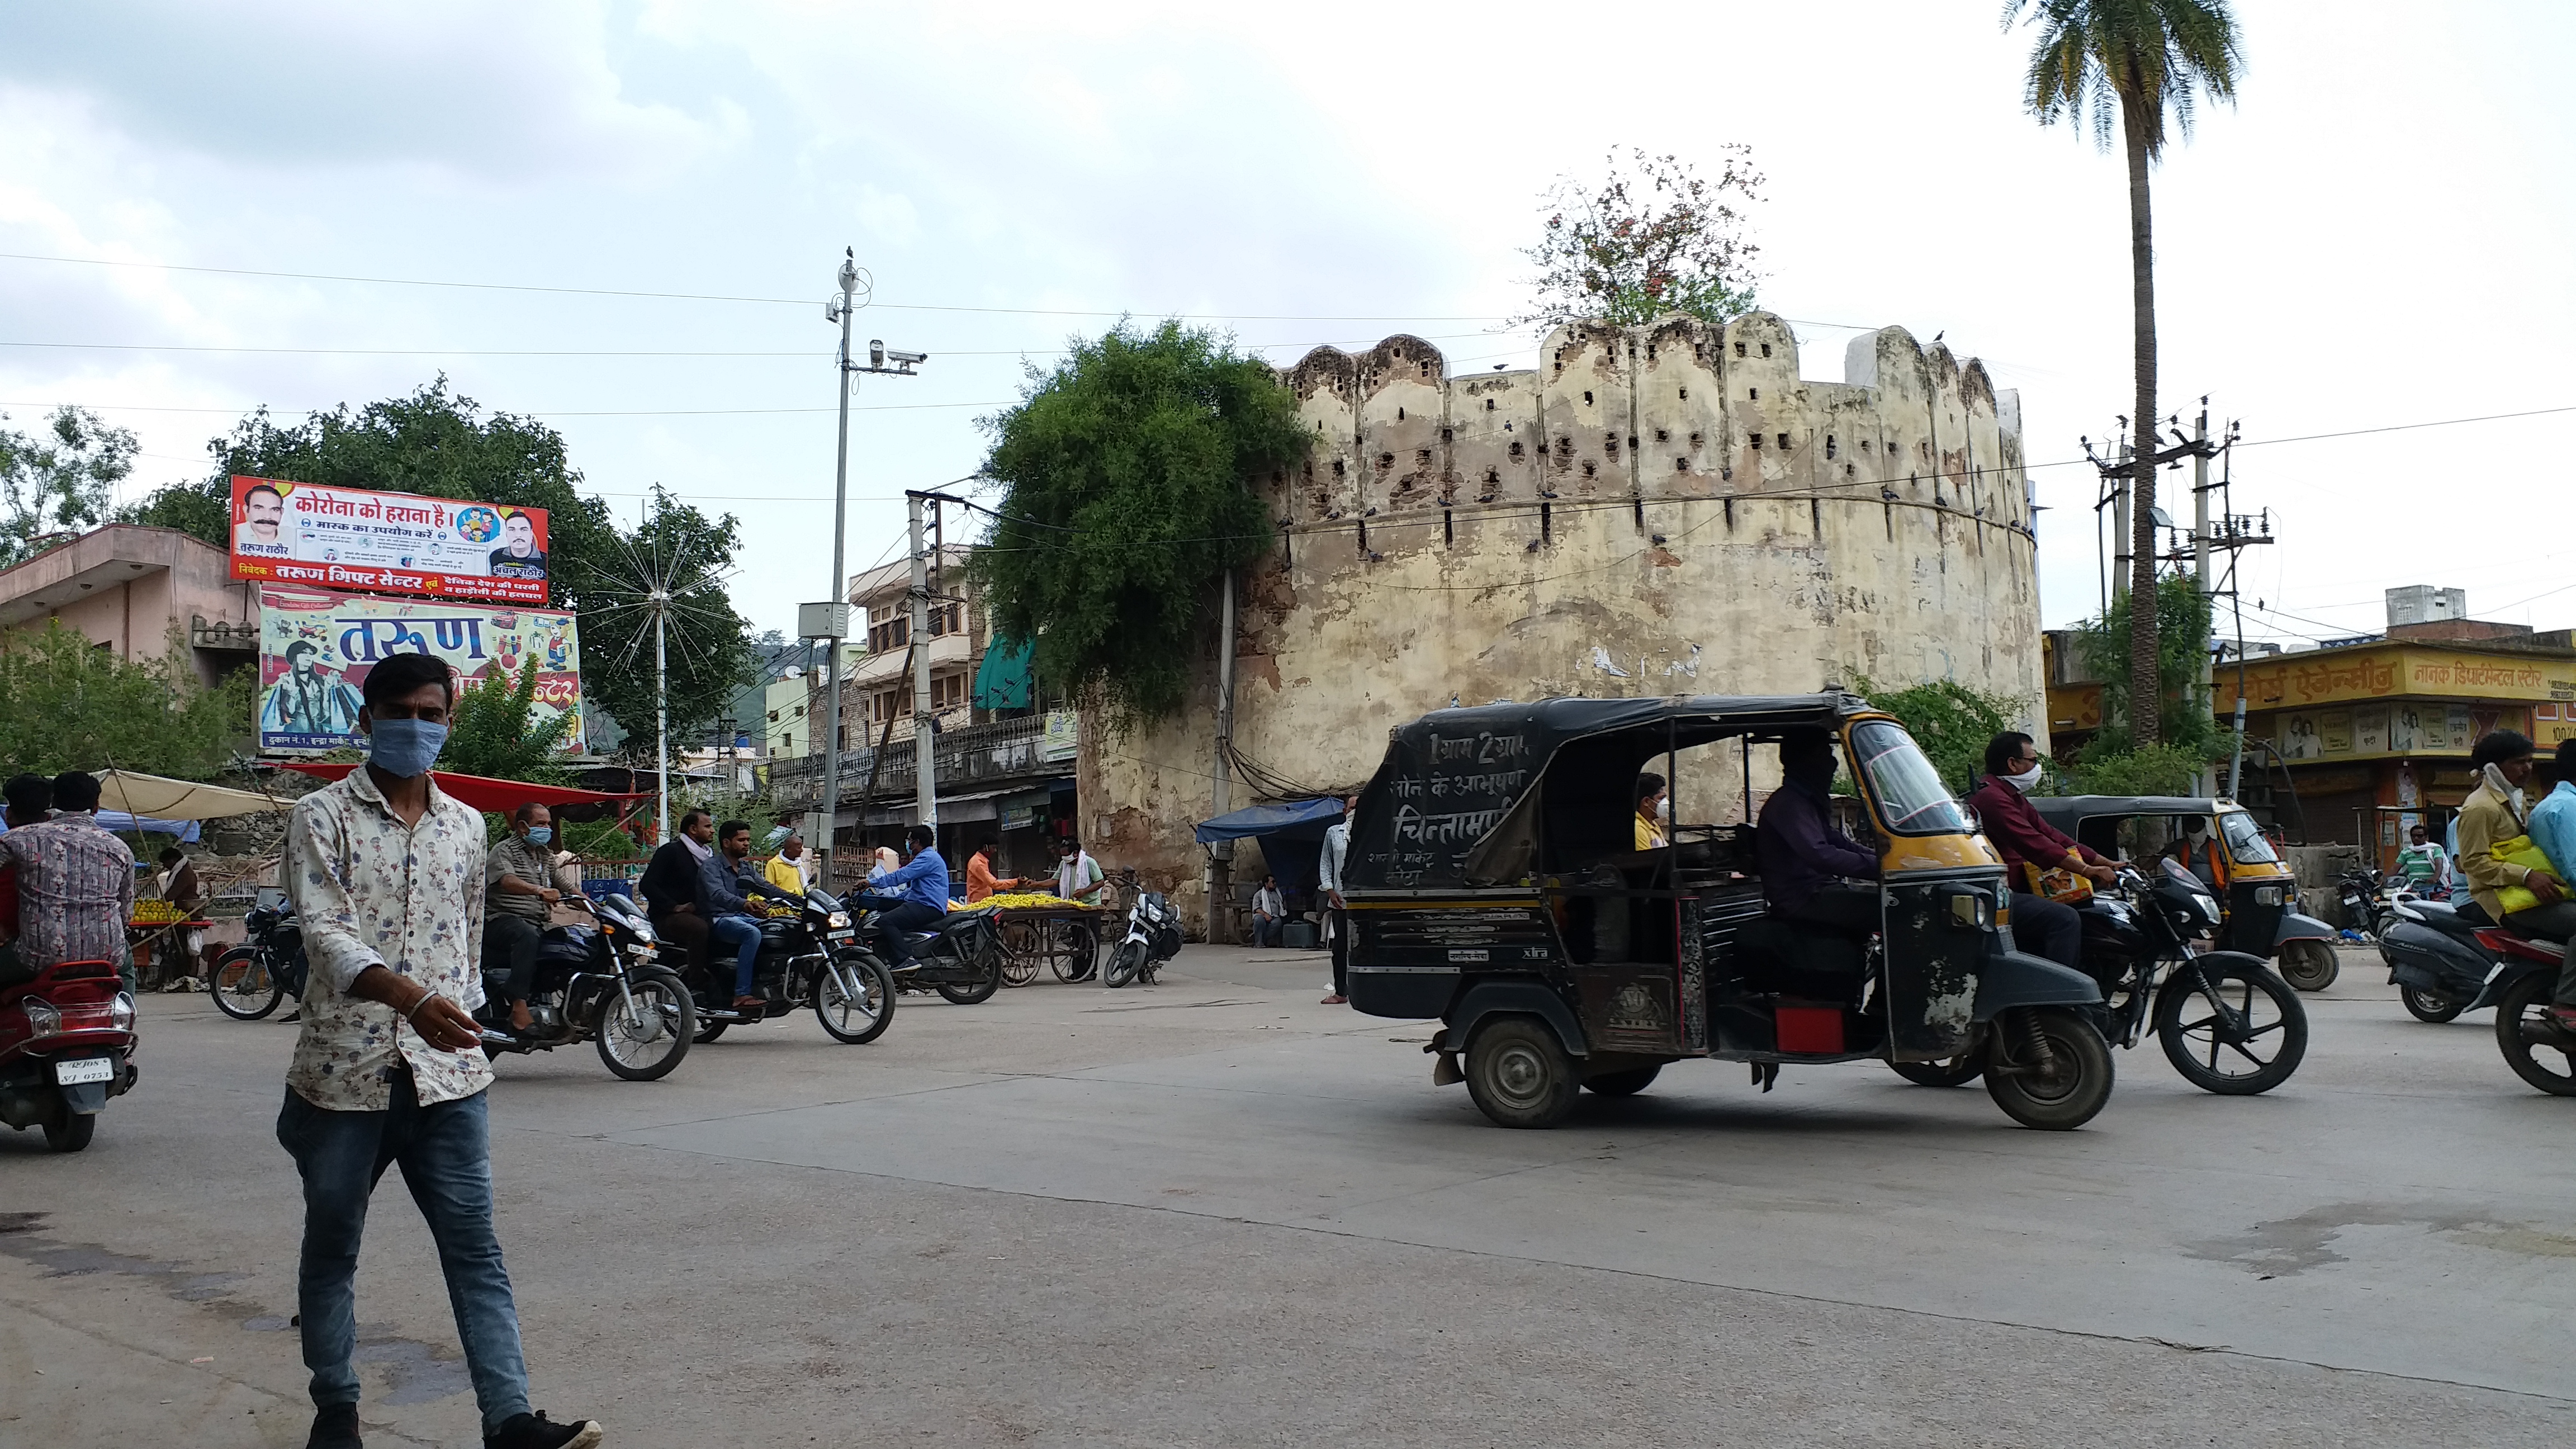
{"points": [[391, 543], [315, 648]]}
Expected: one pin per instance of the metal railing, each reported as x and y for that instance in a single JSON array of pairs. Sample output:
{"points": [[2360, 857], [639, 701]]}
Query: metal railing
{"points": [[972, 755]]}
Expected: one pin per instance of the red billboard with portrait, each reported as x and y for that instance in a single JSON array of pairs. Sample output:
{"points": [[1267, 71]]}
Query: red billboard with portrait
{"points": [[387, 543]]}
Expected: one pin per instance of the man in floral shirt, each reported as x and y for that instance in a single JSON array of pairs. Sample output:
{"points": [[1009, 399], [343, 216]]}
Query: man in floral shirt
{"points": [[386, 872]]}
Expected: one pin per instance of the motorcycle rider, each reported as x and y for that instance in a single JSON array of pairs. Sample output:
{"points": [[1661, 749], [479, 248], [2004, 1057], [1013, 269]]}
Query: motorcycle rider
{"points": [[913, 897], [2493, 813], [723, 877], [519, 904], [2029, 845]]}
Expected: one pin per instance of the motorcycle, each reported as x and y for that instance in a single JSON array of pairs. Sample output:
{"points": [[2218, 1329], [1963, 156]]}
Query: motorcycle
{"points": [[2362, 894], [2437, 961], [2215, 1012], [1153, 937], [250, 979], [66, 1046], [811, 958], [960, 958], [601, 984], [2519, 988]]}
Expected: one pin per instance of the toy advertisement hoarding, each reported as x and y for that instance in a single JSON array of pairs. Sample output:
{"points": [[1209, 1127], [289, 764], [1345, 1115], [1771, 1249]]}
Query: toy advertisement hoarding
{"points": [[316, 647], [392, 543]]}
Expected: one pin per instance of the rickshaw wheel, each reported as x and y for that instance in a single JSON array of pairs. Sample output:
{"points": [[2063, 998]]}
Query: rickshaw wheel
{"points": [[1956, 1072], [2081, 1086], [2309, 965], [1623, 1084], [1519, 1073]]}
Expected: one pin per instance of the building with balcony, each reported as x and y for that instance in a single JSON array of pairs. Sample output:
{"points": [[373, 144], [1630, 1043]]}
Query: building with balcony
{"points": [[135, 590]]}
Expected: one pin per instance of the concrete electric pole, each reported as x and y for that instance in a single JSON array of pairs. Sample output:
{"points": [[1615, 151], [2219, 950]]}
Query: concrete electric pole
{"points": [[925, 784]]}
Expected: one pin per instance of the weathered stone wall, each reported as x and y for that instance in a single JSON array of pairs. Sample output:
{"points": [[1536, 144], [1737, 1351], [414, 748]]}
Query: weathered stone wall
{"points": [[1654, 510]]}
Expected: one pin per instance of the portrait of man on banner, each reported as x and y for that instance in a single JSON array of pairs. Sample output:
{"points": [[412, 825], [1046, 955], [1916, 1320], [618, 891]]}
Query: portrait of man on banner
{"points": [[521, 554], [310, 699], [260, 528]]}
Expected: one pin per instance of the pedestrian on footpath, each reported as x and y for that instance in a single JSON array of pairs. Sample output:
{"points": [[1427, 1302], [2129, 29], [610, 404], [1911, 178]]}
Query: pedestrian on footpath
{"points": [[386, 1070], [1337, 916]]}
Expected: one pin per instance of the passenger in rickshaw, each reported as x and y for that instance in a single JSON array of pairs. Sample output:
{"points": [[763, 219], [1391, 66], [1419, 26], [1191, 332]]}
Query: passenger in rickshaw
{"points": [[2030, 847], [1652, 795]]}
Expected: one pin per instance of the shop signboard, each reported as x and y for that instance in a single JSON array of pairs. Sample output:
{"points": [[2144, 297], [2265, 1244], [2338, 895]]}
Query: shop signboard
{"points": [[315, 648], [387, 543]]}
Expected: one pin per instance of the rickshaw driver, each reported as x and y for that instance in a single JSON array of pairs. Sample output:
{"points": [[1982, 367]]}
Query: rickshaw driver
{"points": [[1803, 856]]}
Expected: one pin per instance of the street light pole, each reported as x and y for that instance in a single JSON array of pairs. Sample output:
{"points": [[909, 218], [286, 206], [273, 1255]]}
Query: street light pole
{"points": [[839, 615]]}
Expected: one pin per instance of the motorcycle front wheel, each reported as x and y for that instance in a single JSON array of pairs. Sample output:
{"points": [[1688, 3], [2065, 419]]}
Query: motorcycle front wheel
{"points": [[243, 986], [854, 1020], [2235, 1029], [644, 1041], [1124, 964]]}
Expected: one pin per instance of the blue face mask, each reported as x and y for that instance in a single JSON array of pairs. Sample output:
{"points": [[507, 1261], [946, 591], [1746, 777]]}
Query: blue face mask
{"points": [[540, 834], [405, 747]]}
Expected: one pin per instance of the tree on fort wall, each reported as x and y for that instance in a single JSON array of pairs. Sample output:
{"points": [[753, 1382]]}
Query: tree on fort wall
{"points": [[1653, 238]]}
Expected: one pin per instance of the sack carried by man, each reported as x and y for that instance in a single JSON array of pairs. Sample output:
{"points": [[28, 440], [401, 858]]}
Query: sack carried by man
{"points": [[2057, 883], [2520, 851]]}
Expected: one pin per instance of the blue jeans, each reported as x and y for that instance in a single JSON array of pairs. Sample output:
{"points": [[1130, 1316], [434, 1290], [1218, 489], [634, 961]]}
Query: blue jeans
{"points": [[743, 934], [447, 1164]]}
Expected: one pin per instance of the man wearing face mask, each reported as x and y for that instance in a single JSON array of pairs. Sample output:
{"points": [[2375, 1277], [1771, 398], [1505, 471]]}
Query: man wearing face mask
{"points": [[386, 872], [2496, 811], [2026, 842], [519, 904], [1804, 857]]}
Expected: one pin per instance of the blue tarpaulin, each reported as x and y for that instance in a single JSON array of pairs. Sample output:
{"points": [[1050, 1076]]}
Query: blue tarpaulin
{"points": [[1293, 820], [187, 831]]}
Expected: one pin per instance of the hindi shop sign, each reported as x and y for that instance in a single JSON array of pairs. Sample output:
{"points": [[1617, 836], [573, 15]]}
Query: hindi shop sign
{"points": [[391, 543], [315, 649]]}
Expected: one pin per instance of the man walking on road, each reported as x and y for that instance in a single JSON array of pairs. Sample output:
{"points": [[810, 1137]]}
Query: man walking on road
{"points": [[1337, 916], [75, 884], [387, 873]]}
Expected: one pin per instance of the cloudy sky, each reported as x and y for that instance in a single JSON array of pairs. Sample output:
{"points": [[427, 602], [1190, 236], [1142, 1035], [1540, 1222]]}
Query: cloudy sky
{"points": [[2379, 235]]}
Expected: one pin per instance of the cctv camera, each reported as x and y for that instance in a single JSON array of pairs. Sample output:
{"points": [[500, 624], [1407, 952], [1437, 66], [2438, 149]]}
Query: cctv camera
{"points": [[876, 352], [907, 358]]}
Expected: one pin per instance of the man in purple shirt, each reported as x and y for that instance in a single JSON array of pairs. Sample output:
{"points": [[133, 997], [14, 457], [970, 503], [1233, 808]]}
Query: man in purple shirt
{"points": [[1804, 858]]}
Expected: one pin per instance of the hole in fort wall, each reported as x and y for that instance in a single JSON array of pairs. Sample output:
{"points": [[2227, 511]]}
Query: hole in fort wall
{"points": [[1784, 442], [1829, 445], [1739, 349], [1587, 399], [1489, 404], [1766, 349], [1685, 392]]}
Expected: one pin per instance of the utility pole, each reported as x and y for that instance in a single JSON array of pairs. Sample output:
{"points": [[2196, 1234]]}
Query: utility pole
{"points": [[1220, 870], [833, 618], [2207, 684], [925, 786]]}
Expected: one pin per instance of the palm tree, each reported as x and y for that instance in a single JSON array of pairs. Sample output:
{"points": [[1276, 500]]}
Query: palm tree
{"points": [[2126, 63]]}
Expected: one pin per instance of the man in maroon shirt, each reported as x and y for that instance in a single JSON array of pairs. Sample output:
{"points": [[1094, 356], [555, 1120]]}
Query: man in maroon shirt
{"points": [[2040, 925]]}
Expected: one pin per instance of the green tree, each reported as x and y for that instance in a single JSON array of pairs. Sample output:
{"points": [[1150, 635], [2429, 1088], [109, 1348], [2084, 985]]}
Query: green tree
{"points": [[1951, 722], [2148, 770], [2122, 66], [2182, 717], [495, 730], [66, 704], [59, 481], [1654, 238], [1127, 474], [440, 444]]}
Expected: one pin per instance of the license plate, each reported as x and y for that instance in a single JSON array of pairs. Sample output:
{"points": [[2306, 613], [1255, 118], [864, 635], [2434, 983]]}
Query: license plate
{"points": [[87, 1069]]}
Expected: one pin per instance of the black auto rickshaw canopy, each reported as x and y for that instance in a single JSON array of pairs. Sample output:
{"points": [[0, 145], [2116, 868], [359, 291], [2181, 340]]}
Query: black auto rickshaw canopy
{"points": [[1487, 795]]}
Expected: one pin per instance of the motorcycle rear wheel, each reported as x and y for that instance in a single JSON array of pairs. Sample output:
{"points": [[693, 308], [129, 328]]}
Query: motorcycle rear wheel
{"points": [[1124, 964], [646, 1045], [243, 987], [987, 971], [2233, 1068], [2522, 1035], [2423, 1005], [71, 1132], [2309, 965], [863, 1020]]}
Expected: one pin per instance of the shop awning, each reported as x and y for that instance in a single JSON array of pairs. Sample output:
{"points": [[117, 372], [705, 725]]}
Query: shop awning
{"points": [[481, 792], [1293, 820], [953, 809], [158, 797]]}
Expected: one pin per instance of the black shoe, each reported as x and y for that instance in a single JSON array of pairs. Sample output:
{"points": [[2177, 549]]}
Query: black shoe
{"points": [[536, 1431], [335, 1426]]}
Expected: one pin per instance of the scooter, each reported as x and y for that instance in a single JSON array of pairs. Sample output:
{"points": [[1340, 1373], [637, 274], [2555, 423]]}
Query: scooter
{"points": [[1153, 937], [2436, 960], [2363, 908], [960, 958], [2540, 1051], [66, 1046], [2303, 950]]}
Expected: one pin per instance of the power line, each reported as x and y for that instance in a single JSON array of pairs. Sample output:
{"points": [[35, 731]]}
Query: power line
{"points": [[612, 413], [807, 354]]}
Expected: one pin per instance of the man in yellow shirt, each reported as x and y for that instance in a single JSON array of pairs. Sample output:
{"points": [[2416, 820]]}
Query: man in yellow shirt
{"points": [[2497, 810], [1651, 795], [786, 869]]}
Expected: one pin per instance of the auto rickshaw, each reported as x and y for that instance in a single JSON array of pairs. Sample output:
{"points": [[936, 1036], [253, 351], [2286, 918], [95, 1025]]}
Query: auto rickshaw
{"points": [[1493, 882], [2248, 876]]}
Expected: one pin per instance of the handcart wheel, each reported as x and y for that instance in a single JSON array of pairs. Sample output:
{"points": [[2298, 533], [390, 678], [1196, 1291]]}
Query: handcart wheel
{"points": [[1023, 949], [1073, 949]]}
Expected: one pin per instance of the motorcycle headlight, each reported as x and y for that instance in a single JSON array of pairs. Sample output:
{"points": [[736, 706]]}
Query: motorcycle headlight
{"points": [[838, 920], [42, 1018], [120, 1012]]}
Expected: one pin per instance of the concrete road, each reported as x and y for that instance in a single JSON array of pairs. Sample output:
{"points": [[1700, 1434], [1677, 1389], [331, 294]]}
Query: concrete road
{"points": [[1215, 1212]]}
